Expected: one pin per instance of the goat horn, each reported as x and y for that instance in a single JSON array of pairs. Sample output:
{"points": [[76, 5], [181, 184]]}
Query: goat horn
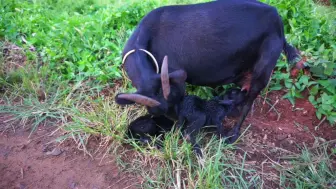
{"points": [[127, 54], [165, 78], [147, 52], [140, 99], [153, 58]]}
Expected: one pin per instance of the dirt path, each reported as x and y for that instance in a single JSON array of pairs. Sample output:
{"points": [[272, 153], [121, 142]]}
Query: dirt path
{"points": [[32, 163]]}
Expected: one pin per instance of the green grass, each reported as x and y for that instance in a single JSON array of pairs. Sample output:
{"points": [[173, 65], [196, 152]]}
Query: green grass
{"points": [[58, 56], [310, 169], [83, 40], [176, 166]]}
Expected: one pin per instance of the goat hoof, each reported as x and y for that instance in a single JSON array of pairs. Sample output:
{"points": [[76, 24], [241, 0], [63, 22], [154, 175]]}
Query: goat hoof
{"points": [[231, 137], [198, 152], [158, 146]]}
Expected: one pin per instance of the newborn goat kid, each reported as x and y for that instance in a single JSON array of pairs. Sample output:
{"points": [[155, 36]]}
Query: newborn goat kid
{"points": [[197, 113], [144, 127]]}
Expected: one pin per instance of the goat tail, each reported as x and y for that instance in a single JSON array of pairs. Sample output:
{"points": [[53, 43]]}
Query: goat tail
{"points": [[291, 53]]}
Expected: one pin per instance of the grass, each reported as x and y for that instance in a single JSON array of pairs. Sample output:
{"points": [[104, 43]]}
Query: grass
{"points": [[60, 67], [310, 169]]}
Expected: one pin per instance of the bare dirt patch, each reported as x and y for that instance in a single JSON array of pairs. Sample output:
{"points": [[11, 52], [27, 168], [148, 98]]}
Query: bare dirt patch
{"points": [[288, 127], [275, 135], [33, 163], [289, 124]]}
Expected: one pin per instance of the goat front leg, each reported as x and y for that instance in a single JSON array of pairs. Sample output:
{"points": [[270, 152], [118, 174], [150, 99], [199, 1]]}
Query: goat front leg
{"points": [[195, 123], [180, 122], [220, 129], [233, 134]]}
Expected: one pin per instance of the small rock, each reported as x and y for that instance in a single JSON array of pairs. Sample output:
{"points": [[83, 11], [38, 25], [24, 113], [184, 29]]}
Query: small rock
{"points": [[321, 139], [55, 152], [305, 113], [265, 138]]}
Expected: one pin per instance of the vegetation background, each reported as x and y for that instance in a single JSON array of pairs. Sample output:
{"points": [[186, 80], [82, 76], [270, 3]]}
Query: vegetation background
{"points": [[61, 64]]}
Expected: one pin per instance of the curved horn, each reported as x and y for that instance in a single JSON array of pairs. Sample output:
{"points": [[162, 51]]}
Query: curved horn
{"points": [[147, 52], [155, 62], [140, 99], [126, 55], [165, 78]]}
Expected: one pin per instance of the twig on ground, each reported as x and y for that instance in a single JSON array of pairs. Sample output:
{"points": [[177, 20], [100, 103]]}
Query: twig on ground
{"points": [[317, 126], [269, 81], [272, 107]]}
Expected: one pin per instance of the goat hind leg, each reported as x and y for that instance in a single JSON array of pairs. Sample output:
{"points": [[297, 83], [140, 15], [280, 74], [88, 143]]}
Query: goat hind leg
{"points": [[270, 52]]}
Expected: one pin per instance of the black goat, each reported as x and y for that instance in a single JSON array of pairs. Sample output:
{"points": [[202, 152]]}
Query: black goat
{"points": [[208, 44], [197, 113], [192, 110]]}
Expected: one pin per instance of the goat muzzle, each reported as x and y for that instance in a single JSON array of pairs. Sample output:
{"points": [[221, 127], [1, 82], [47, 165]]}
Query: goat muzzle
{"points": [[140, 99]]}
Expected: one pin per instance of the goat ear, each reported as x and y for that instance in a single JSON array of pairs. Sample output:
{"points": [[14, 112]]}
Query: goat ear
{"points": [[178, 76]]}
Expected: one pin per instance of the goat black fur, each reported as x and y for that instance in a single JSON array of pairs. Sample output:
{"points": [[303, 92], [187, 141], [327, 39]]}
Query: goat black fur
{"points": [[207, 44], [193, 111]]}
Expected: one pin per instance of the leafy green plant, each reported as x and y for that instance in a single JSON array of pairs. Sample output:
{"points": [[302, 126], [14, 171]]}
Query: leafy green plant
{"points": [[313, 31], [84, 40]]}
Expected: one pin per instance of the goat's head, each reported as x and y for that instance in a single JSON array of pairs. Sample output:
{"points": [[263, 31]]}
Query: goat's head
{"points": [[233, 97], [158, 92], [142, 128]]}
